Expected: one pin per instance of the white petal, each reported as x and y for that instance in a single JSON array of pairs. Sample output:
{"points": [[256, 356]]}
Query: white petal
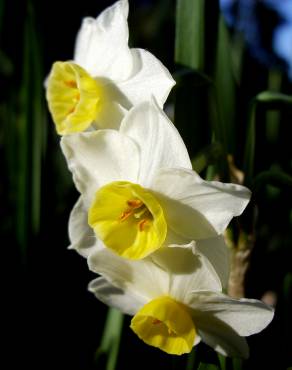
{"points": [[110, 114], [115, 297], [141, 278], [149, 77], [182, 220], [224, 339], [102, 44], [81, 235], [175, 240], [245, 316], [218, 254], [214, 202], [188, 271], [99, 157], [215, 332], [159, 141]]}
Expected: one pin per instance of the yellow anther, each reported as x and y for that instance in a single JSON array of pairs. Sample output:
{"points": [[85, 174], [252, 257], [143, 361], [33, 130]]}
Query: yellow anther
{"points": [[143, 224], [135, 203], [71, 84], [125, 215]]}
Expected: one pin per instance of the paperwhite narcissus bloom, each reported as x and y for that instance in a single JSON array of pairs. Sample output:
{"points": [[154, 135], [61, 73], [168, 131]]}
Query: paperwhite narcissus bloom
{"points": [[106, 77], [132, 194], [84, 241], [176, 301], [141, 192]]}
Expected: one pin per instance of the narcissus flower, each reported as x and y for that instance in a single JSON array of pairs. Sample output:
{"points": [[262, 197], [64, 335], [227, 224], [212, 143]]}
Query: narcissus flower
{"points": [[140, 190], [138, 198], [176, 300], [105, 78]]}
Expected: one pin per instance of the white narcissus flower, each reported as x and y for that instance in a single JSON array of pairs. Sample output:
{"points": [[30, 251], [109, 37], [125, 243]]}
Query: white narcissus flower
{"points": [[106, 77], [176, 301], [141, 193]]}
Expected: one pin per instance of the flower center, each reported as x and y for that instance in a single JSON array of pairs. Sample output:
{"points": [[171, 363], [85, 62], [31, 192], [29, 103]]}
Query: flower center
{"points": [[140, 213], [128, 219], [166, 324], [73, 97]]}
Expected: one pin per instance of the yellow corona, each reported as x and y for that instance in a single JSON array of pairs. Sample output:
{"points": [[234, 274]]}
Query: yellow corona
{"points": [[74, 97], [166, 324], [128, 219]]}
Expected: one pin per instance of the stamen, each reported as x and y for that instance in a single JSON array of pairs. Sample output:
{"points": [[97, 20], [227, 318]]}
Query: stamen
{"points": [[143, 224], [126, 214], [170, 332], [72, 110], [135, 203], [156, 321], [75, 101], [71, 84]]}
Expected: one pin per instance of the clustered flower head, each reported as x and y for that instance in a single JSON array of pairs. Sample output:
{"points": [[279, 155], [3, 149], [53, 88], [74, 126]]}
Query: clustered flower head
{"points": [[145, 221]]}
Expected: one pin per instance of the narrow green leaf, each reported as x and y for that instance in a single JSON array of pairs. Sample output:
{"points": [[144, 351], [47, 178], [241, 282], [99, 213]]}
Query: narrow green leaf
{"points": [[269, 101], [225, 85], [37, 124], [222, 361], [190, 113], [189, 35], [287, 287], [107, 353], [273, 117], [29, 136], [191, 360], [274, 99], [2, 8], [249, 152], [219, 132], [204, 366], [6, 66], [210, 155], [237, 363], [192, 77], [23, 147], [272, 177]]}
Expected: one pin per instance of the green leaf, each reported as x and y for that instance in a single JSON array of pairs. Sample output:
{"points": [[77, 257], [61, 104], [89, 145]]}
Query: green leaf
{"points": [[189, 35], [191, 359], [191, 78], [237, 363], [204, 366], [268, 100], [225, 86], [190, 113], [209, 155], [222, 361], [107, 353], [23, 147], [249, 153], [38, 125], [219, 132], [274, 100], [287, 288], [2, 8], [6, 66], [30, 135], [273, 177]]}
